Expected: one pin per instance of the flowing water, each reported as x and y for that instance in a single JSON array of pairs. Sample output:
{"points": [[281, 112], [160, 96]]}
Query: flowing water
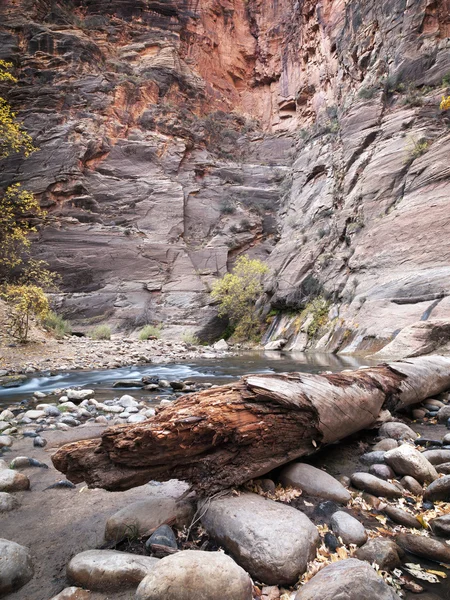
{"points": [[217, 371]]}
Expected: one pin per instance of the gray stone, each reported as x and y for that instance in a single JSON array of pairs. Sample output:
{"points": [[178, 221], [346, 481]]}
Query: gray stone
{"points": [[382, 471], [6, 415], [373, 458], [73, 593], [272, 541], [349, 529], [436, 457], [4, 425], [382, 551], [375, 485], [221, 345], [145, 516], [8, 502], [446, 439], [16, 568], [127, 400], [425, 547], [79, 394], [104, 570], [11, 481], [441, 526], [443, 468], [136, 418], [406, 460], [413, 486], [397, 431], [163, 536], [349, 579], [275, 345], [443, 414], [39, 442], [438, 490], [314, 482], [402, 517], [196, 575], [385, 445], [35, 414], [6, 441]]}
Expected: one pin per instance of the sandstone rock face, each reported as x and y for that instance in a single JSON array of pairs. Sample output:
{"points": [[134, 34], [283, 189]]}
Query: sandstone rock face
{"points": [[104, 570], [154, 180], [16, 568], [351, 579], [271, 541], [196, 574], [314, 482], [146, 515]]}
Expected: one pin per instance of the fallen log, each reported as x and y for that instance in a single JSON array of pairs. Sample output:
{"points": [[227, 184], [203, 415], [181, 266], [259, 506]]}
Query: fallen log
{"points": [[227, 435]]}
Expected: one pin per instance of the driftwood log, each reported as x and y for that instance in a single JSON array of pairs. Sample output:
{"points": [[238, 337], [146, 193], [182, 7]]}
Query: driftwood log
{"points": [[227, 435]]}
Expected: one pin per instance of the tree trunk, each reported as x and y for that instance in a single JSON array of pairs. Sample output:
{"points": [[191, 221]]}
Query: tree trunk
{"points": [[227, 435]]}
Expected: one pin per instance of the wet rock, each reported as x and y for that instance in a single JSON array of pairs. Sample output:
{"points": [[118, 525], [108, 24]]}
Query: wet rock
{"points": [[410, 484], [406, 460], [425, 547], [441, 526], [436, 457], [177, 385], [438, 490], [221, 345], [146, 515], [382, 551], [190, 575], [8, 502], [128, 383], [11, 481], [271, 541], [6, 441], [397, 431], [163, 536], [349, 529], [382, 471], [372, 458], [16, 568], [443, 468], [331, 541], [351, 579], [385, 445], [104, 570], [314, 482], [375, 485], [443, 414], [73, 593], [402, 517]]}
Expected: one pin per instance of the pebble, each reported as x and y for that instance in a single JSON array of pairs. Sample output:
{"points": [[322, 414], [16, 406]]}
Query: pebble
{"points": [[372, 458], [35, 414], [436, 457], [314, 482], [425, 547], [16, 568], [382, 551], [39, 442], [331, 542], [6, 441], [11, 481], [8, 502], [382, 471], [374, 485], [406, 460], [136, 418], [402, 517], [73, 593], [349, 529], [412, 485], [385, 445], [438, 490], [163, 536]]}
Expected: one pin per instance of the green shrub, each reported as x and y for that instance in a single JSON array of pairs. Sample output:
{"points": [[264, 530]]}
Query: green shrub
{"points": [[227, 207], [150, 331], [366, 93], [446, 80], [57, 325], [101, 332], [189, 338]]}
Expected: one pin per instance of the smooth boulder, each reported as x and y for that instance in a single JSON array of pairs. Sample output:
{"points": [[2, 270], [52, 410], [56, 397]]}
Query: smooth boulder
{"points": [[349, 579], [314, 482], [441, 526], [437, 457], [196, 575], [7, 502], [438, 490], [410, 484], [378, 487], [402, 517], [425, 547], [11, 481], [349, 529], [382, 551], [102, 570], [406, 460], [396, 431], [73, 593], [16, 568], [271, 541], [144, 516]]}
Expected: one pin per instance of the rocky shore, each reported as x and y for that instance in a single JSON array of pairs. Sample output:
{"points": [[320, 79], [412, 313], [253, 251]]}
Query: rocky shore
{"points": [[368, 517]]}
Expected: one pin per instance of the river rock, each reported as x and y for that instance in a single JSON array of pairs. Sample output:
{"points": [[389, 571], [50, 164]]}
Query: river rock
{"points": [[446, 439], [441, 526], [425, 547], [6, 441], [382, 471], [144, 516], [410, 484], [385, 445], [443, 468], [221, 345], [4, 425], [438, 490], [196, 575], [104, 570], [8, 502], [349, 529], [16, 568], [374, 485], [443, 414], [127, 401], [372, 458], [406, 460], [73, 593], [79, 395], [272, 541], [382, 551], [136, 418], [348, 579], [397, 431], [402, 517], [163, 536], [6, 415], [314, 482], [436, 457], [35, 414], [11, 481]]}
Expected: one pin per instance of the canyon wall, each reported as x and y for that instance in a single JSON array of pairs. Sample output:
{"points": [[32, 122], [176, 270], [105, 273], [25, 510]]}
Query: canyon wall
{"points": [[175, 136]]}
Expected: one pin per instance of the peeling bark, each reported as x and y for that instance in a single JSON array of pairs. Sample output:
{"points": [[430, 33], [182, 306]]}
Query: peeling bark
{"points": [[227, 435]]}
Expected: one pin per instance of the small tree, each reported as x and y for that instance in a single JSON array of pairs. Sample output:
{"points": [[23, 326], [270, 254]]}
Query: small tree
{"points": [[24, 302], [238, 292]]}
